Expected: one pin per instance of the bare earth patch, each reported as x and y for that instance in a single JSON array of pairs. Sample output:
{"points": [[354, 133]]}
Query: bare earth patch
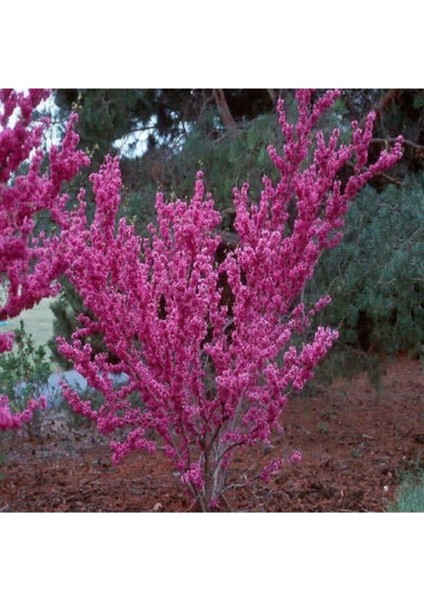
{"points": [[356, 445]]}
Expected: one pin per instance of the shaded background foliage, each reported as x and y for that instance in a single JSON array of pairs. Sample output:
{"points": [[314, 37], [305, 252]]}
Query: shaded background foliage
{"points": [[165, 135]]}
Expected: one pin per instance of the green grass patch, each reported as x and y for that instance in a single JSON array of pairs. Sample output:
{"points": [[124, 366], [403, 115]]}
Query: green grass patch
{"points": [[410, 496]]}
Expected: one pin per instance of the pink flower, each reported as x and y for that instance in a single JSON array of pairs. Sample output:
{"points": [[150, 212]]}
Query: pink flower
{"points": [[30, 264], [208, 346], [273, 467], [296, 457], [193, 476]]}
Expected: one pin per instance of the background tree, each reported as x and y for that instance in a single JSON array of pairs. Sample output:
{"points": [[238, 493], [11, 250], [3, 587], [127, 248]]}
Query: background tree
{"points": [[376, 277], [164, 116]]}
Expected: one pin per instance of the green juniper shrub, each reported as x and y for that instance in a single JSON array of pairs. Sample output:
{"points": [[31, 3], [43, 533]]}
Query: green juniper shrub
{"points": [[24, 373]]}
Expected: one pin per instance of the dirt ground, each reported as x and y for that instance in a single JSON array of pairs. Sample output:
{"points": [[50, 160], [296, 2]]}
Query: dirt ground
{"points": [[356, 445]]}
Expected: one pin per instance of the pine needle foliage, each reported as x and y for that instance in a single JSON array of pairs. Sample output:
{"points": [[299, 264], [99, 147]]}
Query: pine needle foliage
{"points": [[376, 277]]}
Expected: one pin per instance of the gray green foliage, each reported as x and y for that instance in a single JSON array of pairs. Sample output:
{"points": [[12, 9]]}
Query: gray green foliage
{"points": [[229, 160], [24, 373], [376, 275], [410, 495]]}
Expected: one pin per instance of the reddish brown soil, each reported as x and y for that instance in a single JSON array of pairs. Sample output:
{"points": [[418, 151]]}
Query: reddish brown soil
{"points": [[356, 445]]}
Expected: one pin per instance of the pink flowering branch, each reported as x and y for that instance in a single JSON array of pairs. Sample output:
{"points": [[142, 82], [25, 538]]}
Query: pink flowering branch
{"points": [[206, 377], [30, 263]]}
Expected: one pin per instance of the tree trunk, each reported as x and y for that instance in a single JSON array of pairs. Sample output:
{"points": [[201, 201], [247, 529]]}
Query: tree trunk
{"points": [[224, 110]]}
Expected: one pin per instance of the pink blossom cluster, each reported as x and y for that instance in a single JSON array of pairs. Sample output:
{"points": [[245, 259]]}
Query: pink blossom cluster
{"points": [[30, 263], [206, 377], [275, 465], [10, 420]]}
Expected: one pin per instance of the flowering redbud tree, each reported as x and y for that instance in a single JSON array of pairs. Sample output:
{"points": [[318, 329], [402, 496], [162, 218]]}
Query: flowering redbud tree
{"points": [[29, 262], [208, 345]]}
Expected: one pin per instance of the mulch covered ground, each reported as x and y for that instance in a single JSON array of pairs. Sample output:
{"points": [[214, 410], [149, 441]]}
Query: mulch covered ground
{"points": [[356, 445]]}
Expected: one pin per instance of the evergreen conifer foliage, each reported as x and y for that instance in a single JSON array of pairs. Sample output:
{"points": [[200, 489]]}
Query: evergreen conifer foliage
{"points": [[376, 275]]}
